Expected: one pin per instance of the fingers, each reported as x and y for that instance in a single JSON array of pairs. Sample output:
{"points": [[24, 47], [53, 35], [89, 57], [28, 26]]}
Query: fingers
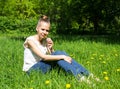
{"points": [[49, 45], [68, 59], [49, 42]]}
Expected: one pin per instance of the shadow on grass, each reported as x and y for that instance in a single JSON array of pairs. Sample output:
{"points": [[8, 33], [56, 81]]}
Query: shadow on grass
{"points": [[22, 38], [107, 39]]}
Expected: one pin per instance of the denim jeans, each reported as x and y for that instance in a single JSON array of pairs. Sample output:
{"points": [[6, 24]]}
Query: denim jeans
{"points": [[74, 67]]}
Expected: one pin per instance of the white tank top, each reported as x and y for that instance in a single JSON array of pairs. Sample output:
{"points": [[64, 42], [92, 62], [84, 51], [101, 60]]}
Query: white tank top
{"points": [[29, 57]]}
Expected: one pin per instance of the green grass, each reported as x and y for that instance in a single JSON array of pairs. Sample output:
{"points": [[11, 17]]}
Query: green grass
{"points": [[98, 54]]}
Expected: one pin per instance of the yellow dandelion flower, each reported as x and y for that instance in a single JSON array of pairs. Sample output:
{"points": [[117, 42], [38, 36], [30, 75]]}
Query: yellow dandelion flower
{"points": [[105, 73], [88, 62], [116, 55], [68, 86], [118, 70], [10, 70], [100, 58], [106, 78], [47, 82], [101, 55], [31, 81], [31, 88], [94, 54], [104, 62], [92, 57]]}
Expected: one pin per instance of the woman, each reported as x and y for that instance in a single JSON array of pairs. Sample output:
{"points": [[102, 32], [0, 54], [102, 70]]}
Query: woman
{"points": [[40, 56]]}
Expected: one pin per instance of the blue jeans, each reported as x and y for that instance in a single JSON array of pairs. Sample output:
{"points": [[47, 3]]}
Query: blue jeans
{"points": [[74, 67]]}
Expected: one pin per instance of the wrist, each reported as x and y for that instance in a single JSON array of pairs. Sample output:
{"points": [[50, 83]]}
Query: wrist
{"points": [[63, 56]]}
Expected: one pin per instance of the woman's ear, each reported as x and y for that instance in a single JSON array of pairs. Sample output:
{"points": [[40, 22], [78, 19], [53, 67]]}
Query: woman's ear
{"points": [[37, 29]]}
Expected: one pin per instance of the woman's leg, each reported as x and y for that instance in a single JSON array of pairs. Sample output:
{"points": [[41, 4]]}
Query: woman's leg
{"points": [[41, 66], [74, 67], [80, 69]]}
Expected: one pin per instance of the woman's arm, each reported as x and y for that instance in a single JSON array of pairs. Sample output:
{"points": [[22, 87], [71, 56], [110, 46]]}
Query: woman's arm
{"points": [[45, 57], [49, 45]]}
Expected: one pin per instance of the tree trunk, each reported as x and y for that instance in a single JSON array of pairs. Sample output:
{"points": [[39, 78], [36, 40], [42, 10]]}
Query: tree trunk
{"points": [[95, 23]]}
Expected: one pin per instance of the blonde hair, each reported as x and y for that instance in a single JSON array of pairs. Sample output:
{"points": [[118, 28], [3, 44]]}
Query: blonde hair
{"points": [[43, 18]]}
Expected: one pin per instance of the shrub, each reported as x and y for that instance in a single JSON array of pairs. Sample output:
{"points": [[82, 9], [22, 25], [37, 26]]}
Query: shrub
{"points": [[18, 25]]}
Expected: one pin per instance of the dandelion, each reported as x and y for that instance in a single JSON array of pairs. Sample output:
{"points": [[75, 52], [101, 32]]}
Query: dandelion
{"points": [[31, 81], [106, 78], [103, 62], [68, 86], [100, 58], [10, 70], [116, 55], [88, 62], [105, 73], [118, 70], [31, 88], [92, 57], [94, 54], [47, 82], [101, 55]]}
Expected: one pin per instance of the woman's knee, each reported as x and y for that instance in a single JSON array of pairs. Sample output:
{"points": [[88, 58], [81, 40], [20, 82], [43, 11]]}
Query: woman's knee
{"points": [[59, 53]]}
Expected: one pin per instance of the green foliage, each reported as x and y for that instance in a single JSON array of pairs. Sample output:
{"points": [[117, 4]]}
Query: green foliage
{"points": [[22, 26], [68, 17], [18, 9]]}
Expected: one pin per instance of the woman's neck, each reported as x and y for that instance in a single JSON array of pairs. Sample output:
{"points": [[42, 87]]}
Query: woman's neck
{"points": [[38, 38]]}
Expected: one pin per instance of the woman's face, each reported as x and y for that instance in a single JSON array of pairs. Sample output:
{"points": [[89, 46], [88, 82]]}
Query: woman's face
{"points": [[43, 30]]}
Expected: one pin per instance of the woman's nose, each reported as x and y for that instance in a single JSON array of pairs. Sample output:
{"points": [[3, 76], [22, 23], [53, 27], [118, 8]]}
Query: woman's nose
{"points": [[45, 32]]}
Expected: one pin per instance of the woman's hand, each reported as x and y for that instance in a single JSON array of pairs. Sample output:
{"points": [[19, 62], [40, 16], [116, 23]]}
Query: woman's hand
{"points": [[68, 59], [49, 43]]}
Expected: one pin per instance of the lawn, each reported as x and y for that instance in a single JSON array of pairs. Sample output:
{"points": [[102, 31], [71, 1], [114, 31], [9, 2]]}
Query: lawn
{"points": [[99, 54]]}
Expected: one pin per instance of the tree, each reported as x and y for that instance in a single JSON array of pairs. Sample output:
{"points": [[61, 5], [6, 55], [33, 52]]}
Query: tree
{"points": [[71, 16]]}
